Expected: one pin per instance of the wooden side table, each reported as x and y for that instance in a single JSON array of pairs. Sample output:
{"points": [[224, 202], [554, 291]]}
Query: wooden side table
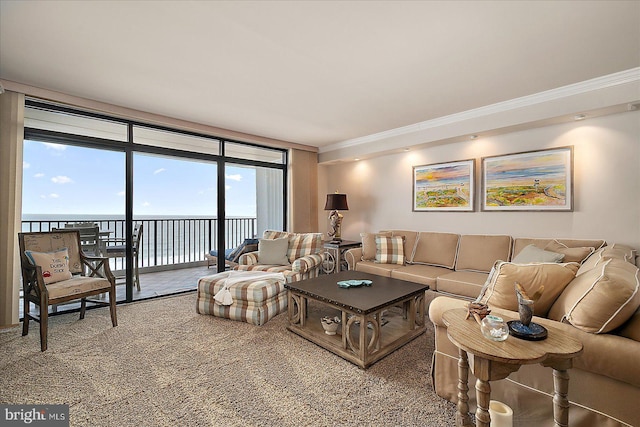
{"points": [[496, 360], [334, 261]]}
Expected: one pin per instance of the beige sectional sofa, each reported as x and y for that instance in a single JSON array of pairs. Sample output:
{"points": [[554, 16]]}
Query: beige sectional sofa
{"points": [[599, 306]]}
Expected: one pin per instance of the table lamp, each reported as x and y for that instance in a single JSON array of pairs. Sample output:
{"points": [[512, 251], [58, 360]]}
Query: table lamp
{"points": [[336, 202]]}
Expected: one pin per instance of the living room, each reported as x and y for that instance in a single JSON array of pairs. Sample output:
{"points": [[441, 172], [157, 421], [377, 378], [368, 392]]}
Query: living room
{"points": [[509, 92]]}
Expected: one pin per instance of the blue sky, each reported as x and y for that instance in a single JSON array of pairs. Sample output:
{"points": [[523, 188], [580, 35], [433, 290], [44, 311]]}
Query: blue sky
{"points": [[63, 179]]}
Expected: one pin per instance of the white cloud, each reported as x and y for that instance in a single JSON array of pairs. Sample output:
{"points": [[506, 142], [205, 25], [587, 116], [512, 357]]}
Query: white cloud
{"points": [[227, 187], [145, 204], [57, 147], [61, 179], [235, 177], [54, 196], [38, 175], [25, 165], [157, 171], [120, 193]]}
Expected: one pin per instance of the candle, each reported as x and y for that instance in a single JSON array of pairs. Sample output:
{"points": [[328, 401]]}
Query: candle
{"points": [[501, 415]]}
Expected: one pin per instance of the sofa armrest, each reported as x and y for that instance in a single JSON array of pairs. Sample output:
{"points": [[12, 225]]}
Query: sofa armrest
{"points": [[441, 304], [307, 263], [250, 258], [353, 256]]}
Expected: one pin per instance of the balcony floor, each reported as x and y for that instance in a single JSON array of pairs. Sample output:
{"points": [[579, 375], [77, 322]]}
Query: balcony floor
{"points": [[151, 285]]}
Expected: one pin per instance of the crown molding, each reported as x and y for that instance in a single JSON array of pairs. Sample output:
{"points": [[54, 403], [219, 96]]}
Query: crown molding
{"points": [[587, 86]]}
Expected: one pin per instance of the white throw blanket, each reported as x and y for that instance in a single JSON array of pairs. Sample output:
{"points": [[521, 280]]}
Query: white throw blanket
{"points": [[223, 296]]}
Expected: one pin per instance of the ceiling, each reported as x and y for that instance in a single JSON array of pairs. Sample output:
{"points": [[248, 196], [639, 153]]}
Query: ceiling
{"points": [[315, 72]]}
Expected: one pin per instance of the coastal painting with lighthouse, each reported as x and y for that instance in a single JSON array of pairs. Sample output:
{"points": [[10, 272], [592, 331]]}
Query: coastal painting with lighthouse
{"points": [[532, 181], [444, 186]]}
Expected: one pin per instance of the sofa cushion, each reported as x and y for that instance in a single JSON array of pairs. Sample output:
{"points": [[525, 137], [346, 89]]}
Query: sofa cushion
{"points": [[577, 254], [418, 273], [273, 251], [55, 265], [520, 242], [409, 245], [463, 283], [479, 252], [600, 299], [631, 328], [499, 291], [532, 253], [369, 244], [374, 268], [390, 250], [437, 249]]}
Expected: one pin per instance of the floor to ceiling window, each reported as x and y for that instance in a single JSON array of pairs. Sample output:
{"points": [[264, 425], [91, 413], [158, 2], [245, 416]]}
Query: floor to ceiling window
{"points": [[183, 191]]}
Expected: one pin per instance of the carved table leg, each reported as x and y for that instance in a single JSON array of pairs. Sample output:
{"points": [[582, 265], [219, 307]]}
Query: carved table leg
{"points": [[483, 395], [462, 416], [560, 401]]}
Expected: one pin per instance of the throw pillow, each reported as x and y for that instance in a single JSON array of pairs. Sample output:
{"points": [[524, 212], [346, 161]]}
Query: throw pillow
{"points": [[600, 299], [532, 253], [614, 251], [499, 290], [389, 250], [570, 254], [369, 244], [273, 251], [55, 265]]}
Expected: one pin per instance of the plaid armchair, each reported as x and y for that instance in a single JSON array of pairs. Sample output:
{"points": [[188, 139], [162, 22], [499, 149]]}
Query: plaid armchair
{"points": [[304, 253]]}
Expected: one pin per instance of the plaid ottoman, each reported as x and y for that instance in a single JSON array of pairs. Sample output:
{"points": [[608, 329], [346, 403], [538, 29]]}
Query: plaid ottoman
{"points": [[255, 301]]}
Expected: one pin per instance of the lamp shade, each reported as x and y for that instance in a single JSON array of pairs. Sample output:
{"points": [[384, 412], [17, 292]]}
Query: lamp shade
{"points": [[336, 202]]}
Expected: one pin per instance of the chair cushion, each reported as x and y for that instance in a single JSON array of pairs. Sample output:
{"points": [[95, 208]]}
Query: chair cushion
{"points": [[55, 265], [303, 244], [273, 251], [77, 285], [390, 250]]}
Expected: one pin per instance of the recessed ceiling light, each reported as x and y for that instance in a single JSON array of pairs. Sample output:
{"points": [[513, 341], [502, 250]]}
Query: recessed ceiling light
{"points": [[356, 159], [579, 117], [406, 149], [473, 136]]}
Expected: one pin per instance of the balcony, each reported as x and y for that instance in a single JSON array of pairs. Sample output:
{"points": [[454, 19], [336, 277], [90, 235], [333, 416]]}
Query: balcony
{"points": [[172, 250]]}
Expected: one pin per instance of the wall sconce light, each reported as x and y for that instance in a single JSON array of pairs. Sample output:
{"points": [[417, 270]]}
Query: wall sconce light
{"points": [[336, 202]]}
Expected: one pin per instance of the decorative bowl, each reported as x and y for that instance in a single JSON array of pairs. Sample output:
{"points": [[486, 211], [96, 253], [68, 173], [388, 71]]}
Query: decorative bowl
{"points": [[494, 328], [330, 324]]}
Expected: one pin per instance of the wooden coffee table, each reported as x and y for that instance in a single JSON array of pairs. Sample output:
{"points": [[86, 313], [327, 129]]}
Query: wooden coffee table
{"points": [[496, 360], [364, 339]]}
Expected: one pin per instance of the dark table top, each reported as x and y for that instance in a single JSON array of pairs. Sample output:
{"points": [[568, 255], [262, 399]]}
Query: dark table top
{"points": [[383, 292]]}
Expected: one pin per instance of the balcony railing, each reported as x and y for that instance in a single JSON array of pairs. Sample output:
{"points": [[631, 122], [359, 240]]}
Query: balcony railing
{"points": [[165, 241]]}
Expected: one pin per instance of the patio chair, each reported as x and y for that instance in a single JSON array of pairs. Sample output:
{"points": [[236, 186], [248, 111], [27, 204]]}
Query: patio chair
{"points": [[119, 249], [55, 270], [232, 255]]}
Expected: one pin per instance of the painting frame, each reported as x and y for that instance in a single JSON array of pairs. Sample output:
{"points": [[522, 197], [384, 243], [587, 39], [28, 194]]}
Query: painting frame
{"points": [[529, 181], [451, 182]]}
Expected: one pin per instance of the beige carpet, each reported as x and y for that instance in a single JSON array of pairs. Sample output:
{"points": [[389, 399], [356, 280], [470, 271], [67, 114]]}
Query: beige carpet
{"points": [[165, 365]]}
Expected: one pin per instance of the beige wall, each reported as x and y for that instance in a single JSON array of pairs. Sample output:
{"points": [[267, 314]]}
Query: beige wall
{"points": [[303, 191], [11, 134], [606, 181]]}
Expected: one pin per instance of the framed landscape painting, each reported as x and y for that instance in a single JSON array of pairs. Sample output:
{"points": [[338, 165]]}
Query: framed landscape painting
{"points": [[444, 186], [532, 181]]}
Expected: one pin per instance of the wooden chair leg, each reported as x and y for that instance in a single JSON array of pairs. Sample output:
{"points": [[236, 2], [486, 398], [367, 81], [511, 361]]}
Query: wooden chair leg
{"points": [[112, 307], [137, 274], [25, 322], [83, 307], [44, 326]]}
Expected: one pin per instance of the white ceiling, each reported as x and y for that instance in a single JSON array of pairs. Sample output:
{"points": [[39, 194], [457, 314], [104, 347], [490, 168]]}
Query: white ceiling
{"points": [[314, 73]]}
